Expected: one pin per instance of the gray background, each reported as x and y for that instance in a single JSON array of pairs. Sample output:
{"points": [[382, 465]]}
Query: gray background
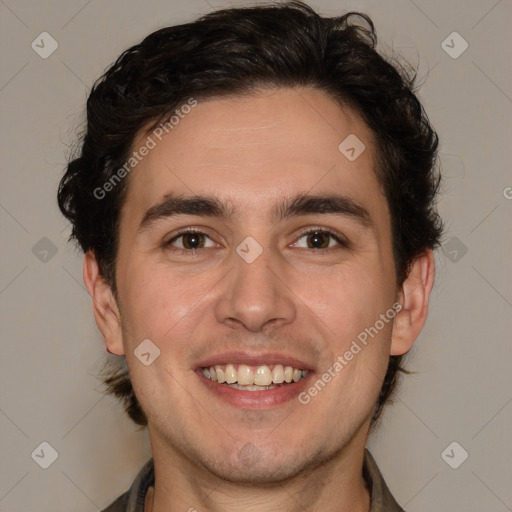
{"points": [[50, 346]]}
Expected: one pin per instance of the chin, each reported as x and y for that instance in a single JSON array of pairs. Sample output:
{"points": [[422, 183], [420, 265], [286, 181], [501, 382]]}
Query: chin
{"points": [[253, 465]]}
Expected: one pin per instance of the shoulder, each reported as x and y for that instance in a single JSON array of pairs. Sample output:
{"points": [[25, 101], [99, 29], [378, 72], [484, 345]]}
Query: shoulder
{"points": [[134, 498], [381, 498], [119, 505]]}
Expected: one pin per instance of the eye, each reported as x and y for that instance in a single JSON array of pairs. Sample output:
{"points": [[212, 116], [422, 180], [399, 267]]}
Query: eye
{"points": [[190, 240], [321, 239]]}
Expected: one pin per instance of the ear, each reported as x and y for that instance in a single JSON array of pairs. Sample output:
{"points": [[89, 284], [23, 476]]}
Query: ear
{"points": [[106, 311], [413, 297]]}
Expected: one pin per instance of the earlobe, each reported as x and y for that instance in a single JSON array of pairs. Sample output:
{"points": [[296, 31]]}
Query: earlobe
{"points": [[106, 311], [414, 297]]}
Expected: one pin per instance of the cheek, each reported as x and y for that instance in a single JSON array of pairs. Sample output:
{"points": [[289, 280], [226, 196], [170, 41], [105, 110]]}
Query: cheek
{"points": [[157, 303], [349, 299]]}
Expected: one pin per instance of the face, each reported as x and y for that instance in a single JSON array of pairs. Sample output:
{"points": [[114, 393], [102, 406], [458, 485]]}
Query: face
{"points": [[277, 255]]}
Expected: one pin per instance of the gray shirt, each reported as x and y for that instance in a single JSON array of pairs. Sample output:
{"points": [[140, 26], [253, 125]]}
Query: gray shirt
{"points": [[133, 500]]}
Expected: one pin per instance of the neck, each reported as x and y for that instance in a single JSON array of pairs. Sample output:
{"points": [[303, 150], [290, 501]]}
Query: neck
{"points": [[335, 485]]}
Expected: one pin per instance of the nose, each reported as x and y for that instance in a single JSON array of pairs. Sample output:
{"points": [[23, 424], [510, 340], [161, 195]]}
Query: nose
{"points": [[255, 295]]}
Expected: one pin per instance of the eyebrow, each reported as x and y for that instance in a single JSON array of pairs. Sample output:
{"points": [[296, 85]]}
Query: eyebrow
{"points": [[300, 204]]}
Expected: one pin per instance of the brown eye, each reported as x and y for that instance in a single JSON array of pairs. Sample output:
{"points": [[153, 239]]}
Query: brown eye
{"points": [[320, 239], [190, 241], [193, 240]]}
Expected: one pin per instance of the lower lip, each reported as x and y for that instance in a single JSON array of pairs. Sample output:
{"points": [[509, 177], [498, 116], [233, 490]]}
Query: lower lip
{"points": [[264, 399]]}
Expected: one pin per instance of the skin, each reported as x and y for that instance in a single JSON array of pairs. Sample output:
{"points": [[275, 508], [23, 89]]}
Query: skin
{"points": [[310, 303]]}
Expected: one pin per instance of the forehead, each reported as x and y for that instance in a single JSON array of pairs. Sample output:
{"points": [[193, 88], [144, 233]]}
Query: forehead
{"points": [[254, 149]]}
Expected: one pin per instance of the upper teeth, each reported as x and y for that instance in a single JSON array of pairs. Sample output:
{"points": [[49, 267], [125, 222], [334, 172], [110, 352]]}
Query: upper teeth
{"points": [[247, 376]]}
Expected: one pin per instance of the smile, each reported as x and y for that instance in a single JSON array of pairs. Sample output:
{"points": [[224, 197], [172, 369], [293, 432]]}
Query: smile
{"points": [[253, 378]]}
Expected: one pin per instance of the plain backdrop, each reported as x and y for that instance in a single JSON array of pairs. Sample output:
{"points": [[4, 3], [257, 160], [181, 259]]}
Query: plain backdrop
{"points": [[51, 350]]}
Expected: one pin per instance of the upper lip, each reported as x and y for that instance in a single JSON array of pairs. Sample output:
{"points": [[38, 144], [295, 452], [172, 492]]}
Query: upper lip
{"points": [[254, 359]]}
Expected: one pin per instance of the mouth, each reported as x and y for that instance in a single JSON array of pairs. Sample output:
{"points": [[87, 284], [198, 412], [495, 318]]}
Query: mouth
{"points": [[254, 386], [250, 378]]}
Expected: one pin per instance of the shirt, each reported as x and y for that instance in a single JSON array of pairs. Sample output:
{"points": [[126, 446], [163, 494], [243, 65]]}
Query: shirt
{"points": [[133, 500]]}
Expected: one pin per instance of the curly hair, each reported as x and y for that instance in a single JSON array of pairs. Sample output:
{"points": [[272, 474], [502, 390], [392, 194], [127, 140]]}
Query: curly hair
{"points": [[237, 51]]}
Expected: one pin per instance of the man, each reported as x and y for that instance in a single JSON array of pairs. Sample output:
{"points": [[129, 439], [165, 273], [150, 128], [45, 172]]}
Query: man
{"points": [[255, 199]]}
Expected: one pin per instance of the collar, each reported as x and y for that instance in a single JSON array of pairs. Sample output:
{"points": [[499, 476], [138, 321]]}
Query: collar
{"points": [[381, 498]]}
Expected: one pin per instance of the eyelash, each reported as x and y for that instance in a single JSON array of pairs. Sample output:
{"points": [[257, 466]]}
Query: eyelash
{"points": [[340, 239]]}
